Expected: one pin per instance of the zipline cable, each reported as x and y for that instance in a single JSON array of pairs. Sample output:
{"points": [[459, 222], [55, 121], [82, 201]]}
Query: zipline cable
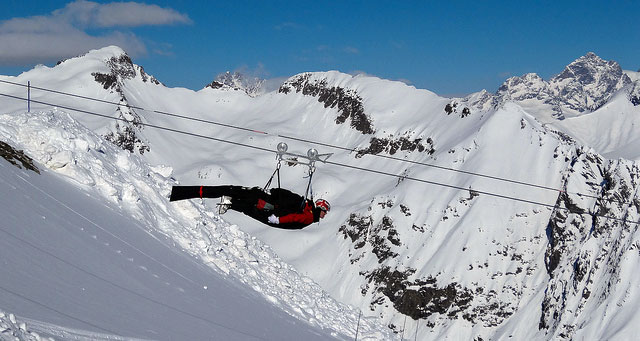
{"points": [[399, 176], [502, 196], [288, 137], [492, 177], [497, 178], [140, 123], [139, 108]]}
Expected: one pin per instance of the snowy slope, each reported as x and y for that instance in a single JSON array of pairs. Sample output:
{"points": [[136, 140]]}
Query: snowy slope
{"points": [[456, 243], [92, 244]]}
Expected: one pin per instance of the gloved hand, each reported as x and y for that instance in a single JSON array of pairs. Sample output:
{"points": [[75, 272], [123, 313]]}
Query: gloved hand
{"points": [[273, 219]]}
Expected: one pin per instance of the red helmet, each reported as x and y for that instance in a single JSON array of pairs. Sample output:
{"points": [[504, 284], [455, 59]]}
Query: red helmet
{"points": [[323, 205]]}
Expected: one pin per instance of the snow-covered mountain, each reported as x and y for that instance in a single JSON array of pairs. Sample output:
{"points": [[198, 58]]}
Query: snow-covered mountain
{"points": [[589, 92], [485, 217], [583, 86], [90, 245]]}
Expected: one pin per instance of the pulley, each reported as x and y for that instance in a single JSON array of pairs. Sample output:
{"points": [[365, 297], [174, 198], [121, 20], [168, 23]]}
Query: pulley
{"points": [[310, 159]]}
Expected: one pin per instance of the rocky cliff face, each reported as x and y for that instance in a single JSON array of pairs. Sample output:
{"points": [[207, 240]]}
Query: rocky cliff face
{"points": [[590, 240], [17, 157], [347, 101], [634, 95], [124, 133]]}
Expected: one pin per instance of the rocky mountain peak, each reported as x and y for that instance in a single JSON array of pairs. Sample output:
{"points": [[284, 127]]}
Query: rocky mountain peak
{"points": [[591, 69], [583, 86], [587, 66], [238, 81], [588, 83], [121, 68], [348, 102], [525, 87]]}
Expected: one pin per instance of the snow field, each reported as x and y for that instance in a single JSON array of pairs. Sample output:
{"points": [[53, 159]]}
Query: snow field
{"points": [[65, 146], [483, 243]]}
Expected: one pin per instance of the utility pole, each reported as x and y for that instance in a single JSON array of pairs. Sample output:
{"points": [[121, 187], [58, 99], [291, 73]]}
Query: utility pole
{"points": [[358, 326]]}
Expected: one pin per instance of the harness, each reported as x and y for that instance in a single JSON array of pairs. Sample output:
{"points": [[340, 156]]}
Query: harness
{"points": [[292, 158]]}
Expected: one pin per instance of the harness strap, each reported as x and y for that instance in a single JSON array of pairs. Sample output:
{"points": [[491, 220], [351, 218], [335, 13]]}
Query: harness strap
{"points": [[277, 171], [309, 189]]}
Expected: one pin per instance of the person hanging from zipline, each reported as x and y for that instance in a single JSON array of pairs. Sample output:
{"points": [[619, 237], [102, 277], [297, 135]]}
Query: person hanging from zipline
{"points": [[275, 207], [279, 208]]}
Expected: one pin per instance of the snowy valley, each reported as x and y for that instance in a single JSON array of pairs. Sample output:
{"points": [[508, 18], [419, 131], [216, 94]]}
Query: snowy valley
{"points": [[496, 215]]}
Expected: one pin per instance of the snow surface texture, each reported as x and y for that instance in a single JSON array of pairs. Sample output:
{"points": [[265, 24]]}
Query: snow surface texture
{"points": [[10, 328], [434, 252], [130, 188]]}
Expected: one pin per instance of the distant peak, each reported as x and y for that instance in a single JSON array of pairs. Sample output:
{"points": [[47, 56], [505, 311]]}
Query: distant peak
{"points": [[586, 67], [584, 85], [115, 50], [252, 86], [588, 83], [592, 61], [102, 54], [107, 53]]}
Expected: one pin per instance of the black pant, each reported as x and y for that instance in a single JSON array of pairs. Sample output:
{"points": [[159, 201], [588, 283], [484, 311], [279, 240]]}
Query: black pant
{"points": [[243, 199], [242, 196]]}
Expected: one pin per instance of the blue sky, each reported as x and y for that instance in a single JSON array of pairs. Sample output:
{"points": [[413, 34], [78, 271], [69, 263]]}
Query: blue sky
{"points": [[449, 47]]}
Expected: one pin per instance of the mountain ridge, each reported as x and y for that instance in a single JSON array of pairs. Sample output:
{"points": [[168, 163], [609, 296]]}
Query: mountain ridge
{"points": [[466, 263], [583, 86]]}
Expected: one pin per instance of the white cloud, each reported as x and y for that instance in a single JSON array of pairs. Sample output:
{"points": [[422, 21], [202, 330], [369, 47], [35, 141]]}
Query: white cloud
{"points": [[41, 47], [119, 14], [273, 84], [351, 50], [47, 38]]}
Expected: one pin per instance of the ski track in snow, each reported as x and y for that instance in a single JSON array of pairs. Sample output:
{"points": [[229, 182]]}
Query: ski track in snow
{"points": [[31, 330], [54, 139], [106, 231]]}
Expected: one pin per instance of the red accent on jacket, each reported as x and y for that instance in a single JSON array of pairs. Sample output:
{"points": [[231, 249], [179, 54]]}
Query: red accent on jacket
{"points": [[306, 217]]}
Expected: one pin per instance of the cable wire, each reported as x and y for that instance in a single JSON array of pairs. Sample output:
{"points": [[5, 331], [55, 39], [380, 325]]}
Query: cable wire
{"points": [[399, 176], [140, 123], [389, 157], [139, 108], [567, 209], [288, 137]]}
